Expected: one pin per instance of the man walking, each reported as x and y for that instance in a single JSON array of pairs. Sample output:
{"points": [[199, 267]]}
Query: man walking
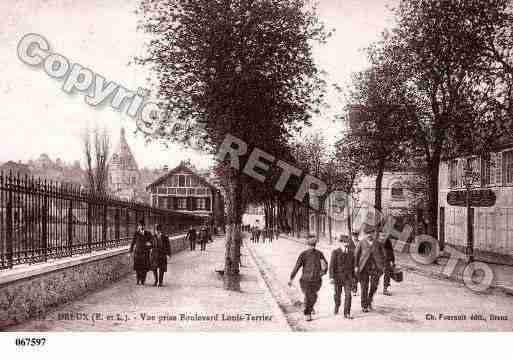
{"points": [[342, 275], [352, 247], [204, 238], [191, 237], [159, 253], [389, 264], [314, 267], [141, 247], [369, 261]]}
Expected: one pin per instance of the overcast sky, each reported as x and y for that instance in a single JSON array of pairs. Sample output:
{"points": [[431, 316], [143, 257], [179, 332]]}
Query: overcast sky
{"points": [[37, 116]]}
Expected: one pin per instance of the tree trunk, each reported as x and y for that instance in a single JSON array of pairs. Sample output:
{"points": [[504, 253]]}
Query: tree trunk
{"points": [[233, 236], [378, 190], [329, 229]]}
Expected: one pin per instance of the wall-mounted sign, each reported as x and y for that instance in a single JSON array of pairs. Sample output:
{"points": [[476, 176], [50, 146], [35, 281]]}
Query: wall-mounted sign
{"points": [[478, 198]]}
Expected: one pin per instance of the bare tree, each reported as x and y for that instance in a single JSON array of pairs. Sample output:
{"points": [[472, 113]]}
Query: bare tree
{"points": [[96, 150]]}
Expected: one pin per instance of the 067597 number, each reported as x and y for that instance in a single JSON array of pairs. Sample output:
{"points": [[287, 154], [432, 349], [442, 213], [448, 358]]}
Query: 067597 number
{"points": [[30, 342]]}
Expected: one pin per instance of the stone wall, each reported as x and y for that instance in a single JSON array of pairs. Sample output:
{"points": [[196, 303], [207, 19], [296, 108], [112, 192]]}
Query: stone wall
{"points": [[29, 292]]}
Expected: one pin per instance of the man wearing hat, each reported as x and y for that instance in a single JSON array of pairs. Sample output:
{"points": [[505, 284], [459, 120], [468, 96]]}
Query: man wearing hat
{"points": [[314, 267], [159, 252], [342, 274], [140, 247], [352, 247], [370, 262]]}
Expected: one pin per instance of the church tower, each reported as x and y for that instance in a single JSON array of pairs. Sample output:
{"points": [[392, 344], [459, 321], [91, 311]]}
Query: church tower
{"points": [[124, 175]]}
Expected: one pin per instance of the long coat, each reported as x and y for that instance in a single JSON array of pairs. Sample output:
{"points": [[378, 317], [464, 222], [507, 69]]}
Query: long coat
{"points": [[141, 247], [342, 266], [159, 252], [366, 249], [204, 236]]}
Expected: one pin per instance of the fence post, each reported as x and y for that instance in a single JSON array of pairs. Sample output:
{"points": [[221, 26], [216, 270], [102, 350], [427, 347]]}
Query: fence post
{"points": [[70, 227], [104, 226], [116, 224], [9, 225], [44, 220], [89, 226]]}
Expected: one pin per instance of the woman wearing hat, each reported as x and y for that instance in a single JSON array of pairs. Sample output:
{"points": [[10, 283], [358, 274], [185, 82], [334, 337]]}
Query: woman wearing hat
{"points": [[159, 253], [140, 247]]}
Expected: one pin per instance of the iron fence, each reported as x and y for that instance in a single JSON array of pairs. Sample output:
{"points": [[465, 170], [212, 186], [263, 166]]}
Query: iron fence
{"points": [[41, 219]]}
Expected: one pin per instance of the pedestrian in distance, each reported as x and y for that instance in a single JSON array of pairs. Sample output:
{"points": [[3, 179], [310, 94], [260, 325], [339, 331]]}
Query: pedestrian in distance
{"points": [[369, 262], [314, 266], [341, 271], [140, 248], [389, 263], [204, 238], [159, 253], [191, 237]]}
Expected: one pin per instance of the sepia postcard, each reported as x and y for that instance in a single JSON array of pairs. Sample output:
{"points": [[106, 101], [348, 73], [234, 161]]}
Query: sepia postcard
{"points": [[259, 166]]}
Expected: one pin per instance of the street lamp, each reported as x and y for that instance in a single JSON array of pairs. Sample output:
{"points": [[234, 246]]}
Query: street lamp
{"points": [[469, 179]]}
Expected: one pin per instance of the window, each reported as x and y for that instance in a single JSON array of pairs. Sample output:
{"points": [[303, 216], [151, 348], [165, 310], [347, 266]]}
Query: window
{"points": [[194, 181], [507, 167], [182, 203], [201, 203], [161, 190], [181, 181], [485, 172], [190, 191], [171, 190], [187, 181], [162, 202], [181, 191], [397, 191], [453, 174], [134, 180]]}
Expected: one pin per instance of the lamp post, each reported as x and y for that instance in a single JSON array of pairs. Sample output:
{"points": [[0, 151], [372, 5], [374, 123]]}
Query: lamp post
{"points": [[469, 178]]}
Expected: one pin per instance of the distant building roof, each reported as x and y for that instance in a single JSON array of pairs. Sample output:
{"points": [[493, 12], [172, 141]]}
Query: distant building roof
{"points": [[180, 168], [122, 157], [15, 168]]}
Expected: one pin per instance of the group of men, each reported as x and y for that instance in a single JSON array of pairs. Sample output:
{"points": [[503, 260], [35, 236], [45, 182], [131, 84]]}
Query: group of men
{"points": [[363, 258], [202, 237]]}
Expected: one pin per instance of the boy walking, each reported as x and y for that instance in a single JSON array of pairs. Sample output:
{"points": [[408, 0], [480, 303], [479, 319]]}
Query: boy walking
{"points": [[314, 267], [341, 271]]}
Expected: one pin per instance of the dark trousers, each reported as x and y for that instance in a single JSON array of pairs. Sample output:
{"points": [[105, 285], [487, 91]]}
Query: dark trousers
{"points": [[141, 276], [310, 289], [158, 274], [369, 280], [346, 286], [203, 245], [386, 276], [193, 245]]}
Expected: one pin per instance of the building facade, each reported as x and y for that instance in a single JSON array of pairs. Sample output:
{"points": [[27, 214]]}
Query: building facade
{"points": [[124, 176], [492, 225], [182, 190]]}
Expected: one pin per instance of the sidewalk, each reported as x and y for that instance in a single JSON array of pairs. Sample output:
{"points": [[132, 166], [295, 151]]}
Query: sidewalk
{"points": [[414, 302], [192, 292], [503, 280]]}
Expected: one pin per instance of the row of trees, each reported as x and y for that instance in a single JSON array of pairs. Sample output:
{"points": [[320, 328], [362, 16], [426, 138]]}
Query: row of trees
{"points": [[439, 84]]}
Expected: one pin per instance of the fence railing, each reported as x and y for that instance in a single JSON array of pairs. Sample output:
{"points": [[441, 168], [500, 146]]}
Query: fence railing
{"points": [[41, 219]]}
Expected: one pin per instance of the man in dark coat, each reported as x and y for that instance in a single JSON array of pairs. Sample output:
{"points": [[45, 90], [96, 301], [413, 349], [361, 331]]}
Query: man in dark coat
{"points": [[389, 264], [352, 247], [369, 262], [191, 237], [314, 267], [341, 271], [159, 252], [204, 238], [140, 247]]}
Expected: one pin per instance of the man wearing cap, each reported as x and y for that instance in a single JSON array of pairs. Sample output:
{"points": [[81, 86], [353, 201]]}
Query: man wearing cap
{"points": [[342, 274], [314, 267], [370, 262]]}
